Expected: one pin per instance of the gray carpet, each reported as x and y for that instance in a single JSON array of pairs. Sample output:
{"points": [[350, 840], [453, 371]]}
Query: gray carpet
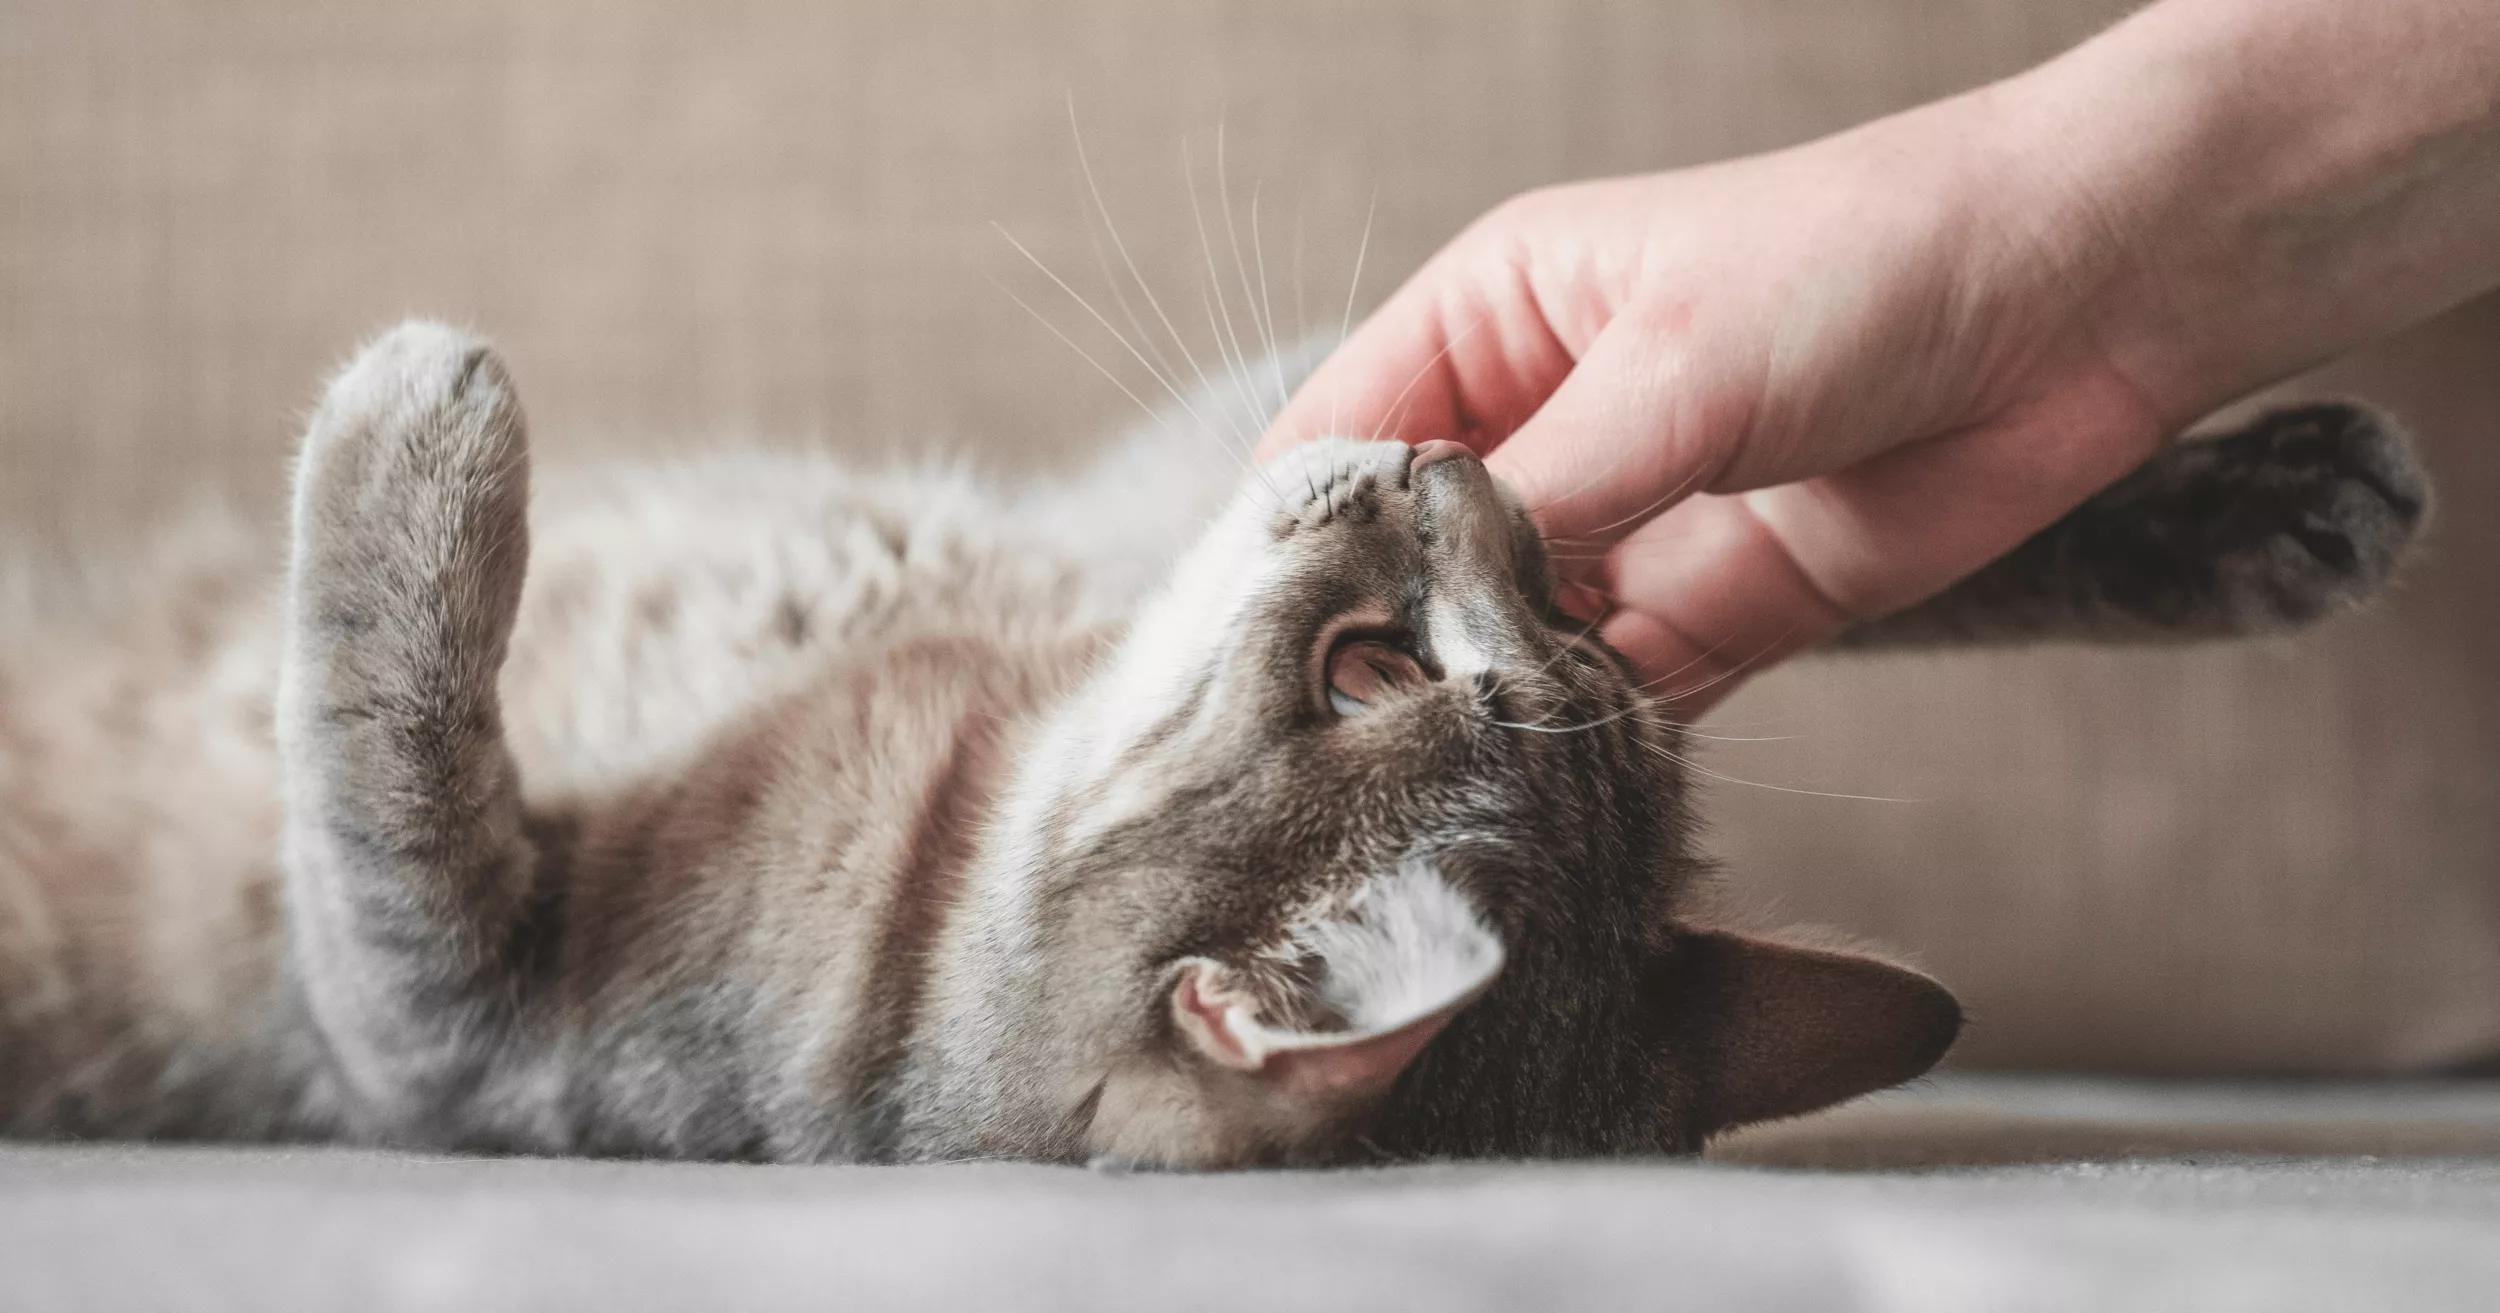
{"points": [[1995, 1194]]}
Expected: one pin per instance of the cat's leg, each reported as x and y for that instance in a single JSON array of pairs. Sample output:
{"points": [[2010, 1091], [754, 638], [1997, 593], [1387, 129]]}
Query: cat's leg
{"points": [[409, 873], [2302, 513]]}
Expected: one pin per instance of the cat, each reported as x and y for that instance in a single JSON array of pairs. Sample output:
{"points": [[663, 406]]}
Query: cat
{"points": [[1168, 815]]}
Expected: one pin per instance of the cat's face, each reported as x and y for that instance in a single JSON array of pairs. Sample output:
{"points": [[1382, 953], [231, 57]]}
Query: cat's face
{"points": [[1366, 847]]}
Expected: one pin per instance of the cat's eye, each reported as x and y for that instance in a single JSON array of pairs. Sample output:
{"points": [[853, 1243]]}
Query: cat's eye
{"points": [[1362, 671]]}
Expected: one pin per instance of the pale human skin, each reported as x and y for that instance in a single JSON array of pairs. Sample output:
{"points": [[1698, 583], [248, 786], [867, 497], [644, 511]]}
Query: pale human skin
{"points": [[1762, 400]]}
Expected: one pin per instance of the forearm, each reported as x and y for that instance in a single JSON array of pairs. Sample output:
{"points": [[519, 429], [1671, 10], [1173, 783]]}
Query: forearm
{"points": [[2253, 185]]}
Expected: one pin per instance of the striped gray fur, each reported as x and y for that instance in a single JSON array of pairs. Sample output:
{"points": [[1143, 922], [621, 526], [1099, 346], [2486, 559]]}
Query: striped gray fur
{"points": [[761, 808]]}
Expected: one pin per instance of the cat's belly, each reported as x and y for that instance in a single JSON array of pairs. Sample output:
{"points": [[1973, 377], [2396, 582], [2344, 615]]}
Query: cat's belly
{"points": [[759, 711], [664, 604], [675, 622], [749, 936]]}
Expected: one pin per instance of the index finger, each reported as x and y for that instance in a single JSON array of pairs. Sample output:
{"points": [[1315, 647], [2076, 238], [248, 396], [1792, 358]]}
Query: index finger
{"points": [[1443, 358]]}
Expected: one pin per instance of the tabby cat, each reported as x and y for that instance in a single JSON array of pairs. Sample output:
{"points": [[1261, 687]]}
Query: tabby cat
{"points": [[793, 813]]}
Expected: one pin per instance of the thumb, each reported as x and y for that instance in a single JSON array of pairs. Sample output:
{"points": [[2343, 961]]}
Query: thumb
{"points": [[1457, 353], [1390, 378], [1631, 431]]}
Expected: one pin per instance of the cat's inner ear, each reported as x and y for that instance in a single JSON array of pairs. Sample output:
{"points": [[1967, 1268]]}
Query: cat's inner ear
{"points": [[1770, 1030], [1350, 998]]}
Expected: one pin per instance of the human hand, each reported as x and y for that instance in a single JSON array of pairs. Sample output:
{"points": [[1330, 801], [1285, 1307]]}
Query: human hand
{"points": [[1755, 402]]}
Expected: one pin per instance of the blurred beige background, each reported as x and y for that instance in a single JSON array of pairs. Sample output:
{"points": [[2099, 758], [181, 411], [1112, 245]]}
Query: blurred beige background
{"points": [[774, 219]]}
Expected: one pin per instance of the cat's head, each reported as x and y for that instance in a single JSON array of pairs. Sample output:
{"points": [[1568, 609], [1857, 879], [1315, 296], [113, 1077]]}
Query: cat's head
{"points": [[1358, 844]]}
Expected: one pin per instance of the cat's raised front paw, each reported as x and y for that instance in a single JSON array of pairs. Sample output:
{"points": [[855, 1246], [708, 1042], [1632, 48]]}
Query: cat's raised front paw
{"points": [[419, 378], [415, 481]]}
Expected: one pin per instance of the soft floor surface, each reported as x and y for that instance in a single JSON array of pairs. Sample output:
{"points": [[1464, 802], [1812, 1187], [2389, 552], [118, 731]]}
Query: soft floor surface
{"points": [[1989, 1194]]}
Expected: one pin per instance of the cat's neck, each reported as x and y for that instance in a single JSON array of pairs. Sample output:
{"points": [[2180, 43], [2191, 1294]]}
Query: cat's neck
{"points": [[992, 1073]]}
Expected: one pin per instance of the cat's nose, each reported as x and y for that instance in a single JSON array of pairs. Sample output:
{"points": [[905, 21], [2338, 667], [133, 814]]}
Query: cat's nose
{"points": [[1435, 450]]}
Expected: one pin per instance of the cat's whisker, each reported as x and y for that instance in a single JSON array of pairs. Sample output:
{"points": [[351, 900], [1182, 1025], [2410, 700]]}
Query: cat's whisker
{"points": [[1154, 303], [1565, 649], [1087, 356], [1692, 728], [1125, 390], [1686, 728], [1250, 300], [1232, 238], [1661, 503], [1237, 367], [1396, 406], [1301, 308], [1362, 247], [1699, 769], [1608, 719], [1236, 364], [1219, 309], [1102, 264], [1585, 484], [1682, 694], [1088, 306], [1267, 303], [1704, 655], [1599, 551], [1354, 285], [1730, 673]]}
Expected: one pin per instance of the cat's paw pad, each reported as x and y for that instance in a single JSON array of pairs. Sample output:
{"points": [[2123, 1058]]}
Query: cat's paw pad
{"points": [[2303, 513], [1330, 479]]}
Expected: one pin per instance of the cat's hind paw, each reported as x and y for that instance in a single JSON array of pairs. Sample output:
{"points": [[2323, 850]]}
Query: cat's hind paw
{"points": [[2315, 507]]}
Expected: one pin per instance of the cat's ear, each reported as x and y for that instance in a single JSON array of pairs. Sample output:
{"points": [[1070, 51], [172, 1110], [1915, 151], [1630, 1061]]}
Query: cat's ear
{"points": [[1387, 971], [1771, 1030]]}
